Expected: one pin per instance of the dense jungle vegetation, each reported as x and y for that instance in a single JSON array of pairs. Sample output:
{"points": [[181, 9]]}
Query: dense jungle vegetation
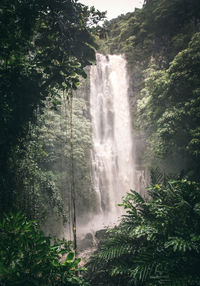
{"points": [[41, 63], [40, 56], [45, 47]]}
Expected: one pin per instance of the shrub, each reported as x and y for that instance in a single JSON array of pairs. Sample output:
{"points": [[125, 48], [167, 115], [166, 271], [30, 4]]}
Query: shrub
{"points": [[27, 257], [157, 242]]}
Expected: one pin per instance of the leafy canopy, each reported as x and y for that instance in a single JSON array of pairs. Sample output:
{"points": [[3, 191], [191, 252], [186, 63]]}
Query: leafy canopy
{"points": [[168, 110], [27, 257], [44, 47]]}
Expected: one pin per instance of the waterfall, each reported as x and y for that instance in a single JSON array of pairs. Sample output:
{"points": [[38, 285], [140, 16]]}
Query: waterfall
{"points": [[113, 167]]}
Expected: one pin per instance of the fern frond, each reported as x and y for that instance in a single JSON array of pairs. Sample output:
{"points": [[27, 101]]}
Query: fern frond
{"points": [[144, 231], [157, 176], [135, 197], [120, 270], [114, 252], [143, 272], [181, 245]]}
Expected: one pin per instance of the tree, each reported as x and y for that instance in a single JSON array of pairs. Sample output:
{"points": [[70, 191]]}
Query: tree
{"points": [[40, 54], [169, 108]]}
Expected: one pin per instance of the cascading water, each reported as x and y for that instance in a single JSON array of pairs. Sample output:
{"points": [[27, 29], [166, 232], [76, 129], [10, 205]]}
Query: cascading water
{"points": [[113, 154], [113, 167]]}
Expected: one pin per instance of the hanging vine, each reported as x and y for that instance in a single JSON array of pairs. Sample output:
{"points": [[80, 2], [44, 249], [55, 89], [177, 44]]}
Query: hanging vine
{"points": [[73, 192]]}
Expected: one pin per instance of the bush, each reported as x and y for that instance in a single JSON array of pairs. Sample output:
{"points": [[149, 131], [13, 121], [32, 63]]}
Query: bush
{"points": [[157, 242], [27, 257]]}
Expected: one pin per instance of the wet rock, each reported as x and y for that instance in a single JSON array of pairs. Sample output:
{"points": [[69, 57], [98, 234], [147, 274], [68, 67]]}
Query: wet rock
{"points": [[86, 243], [101, 234]]}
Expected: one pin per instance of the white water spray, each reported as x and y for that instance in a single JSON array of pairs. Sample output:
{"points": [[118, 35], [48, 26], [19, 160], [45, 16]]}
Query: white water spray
{"points": [[113, 167]]}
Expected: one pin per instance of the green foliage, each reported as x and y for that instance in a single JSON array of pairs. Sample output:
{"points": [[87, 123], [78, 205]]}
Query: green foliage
{"points": [[40, 54], [169, 108], [43, 168], [27, 257], [157, 242], [35, 192], [55, 135], [159, 30]]}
